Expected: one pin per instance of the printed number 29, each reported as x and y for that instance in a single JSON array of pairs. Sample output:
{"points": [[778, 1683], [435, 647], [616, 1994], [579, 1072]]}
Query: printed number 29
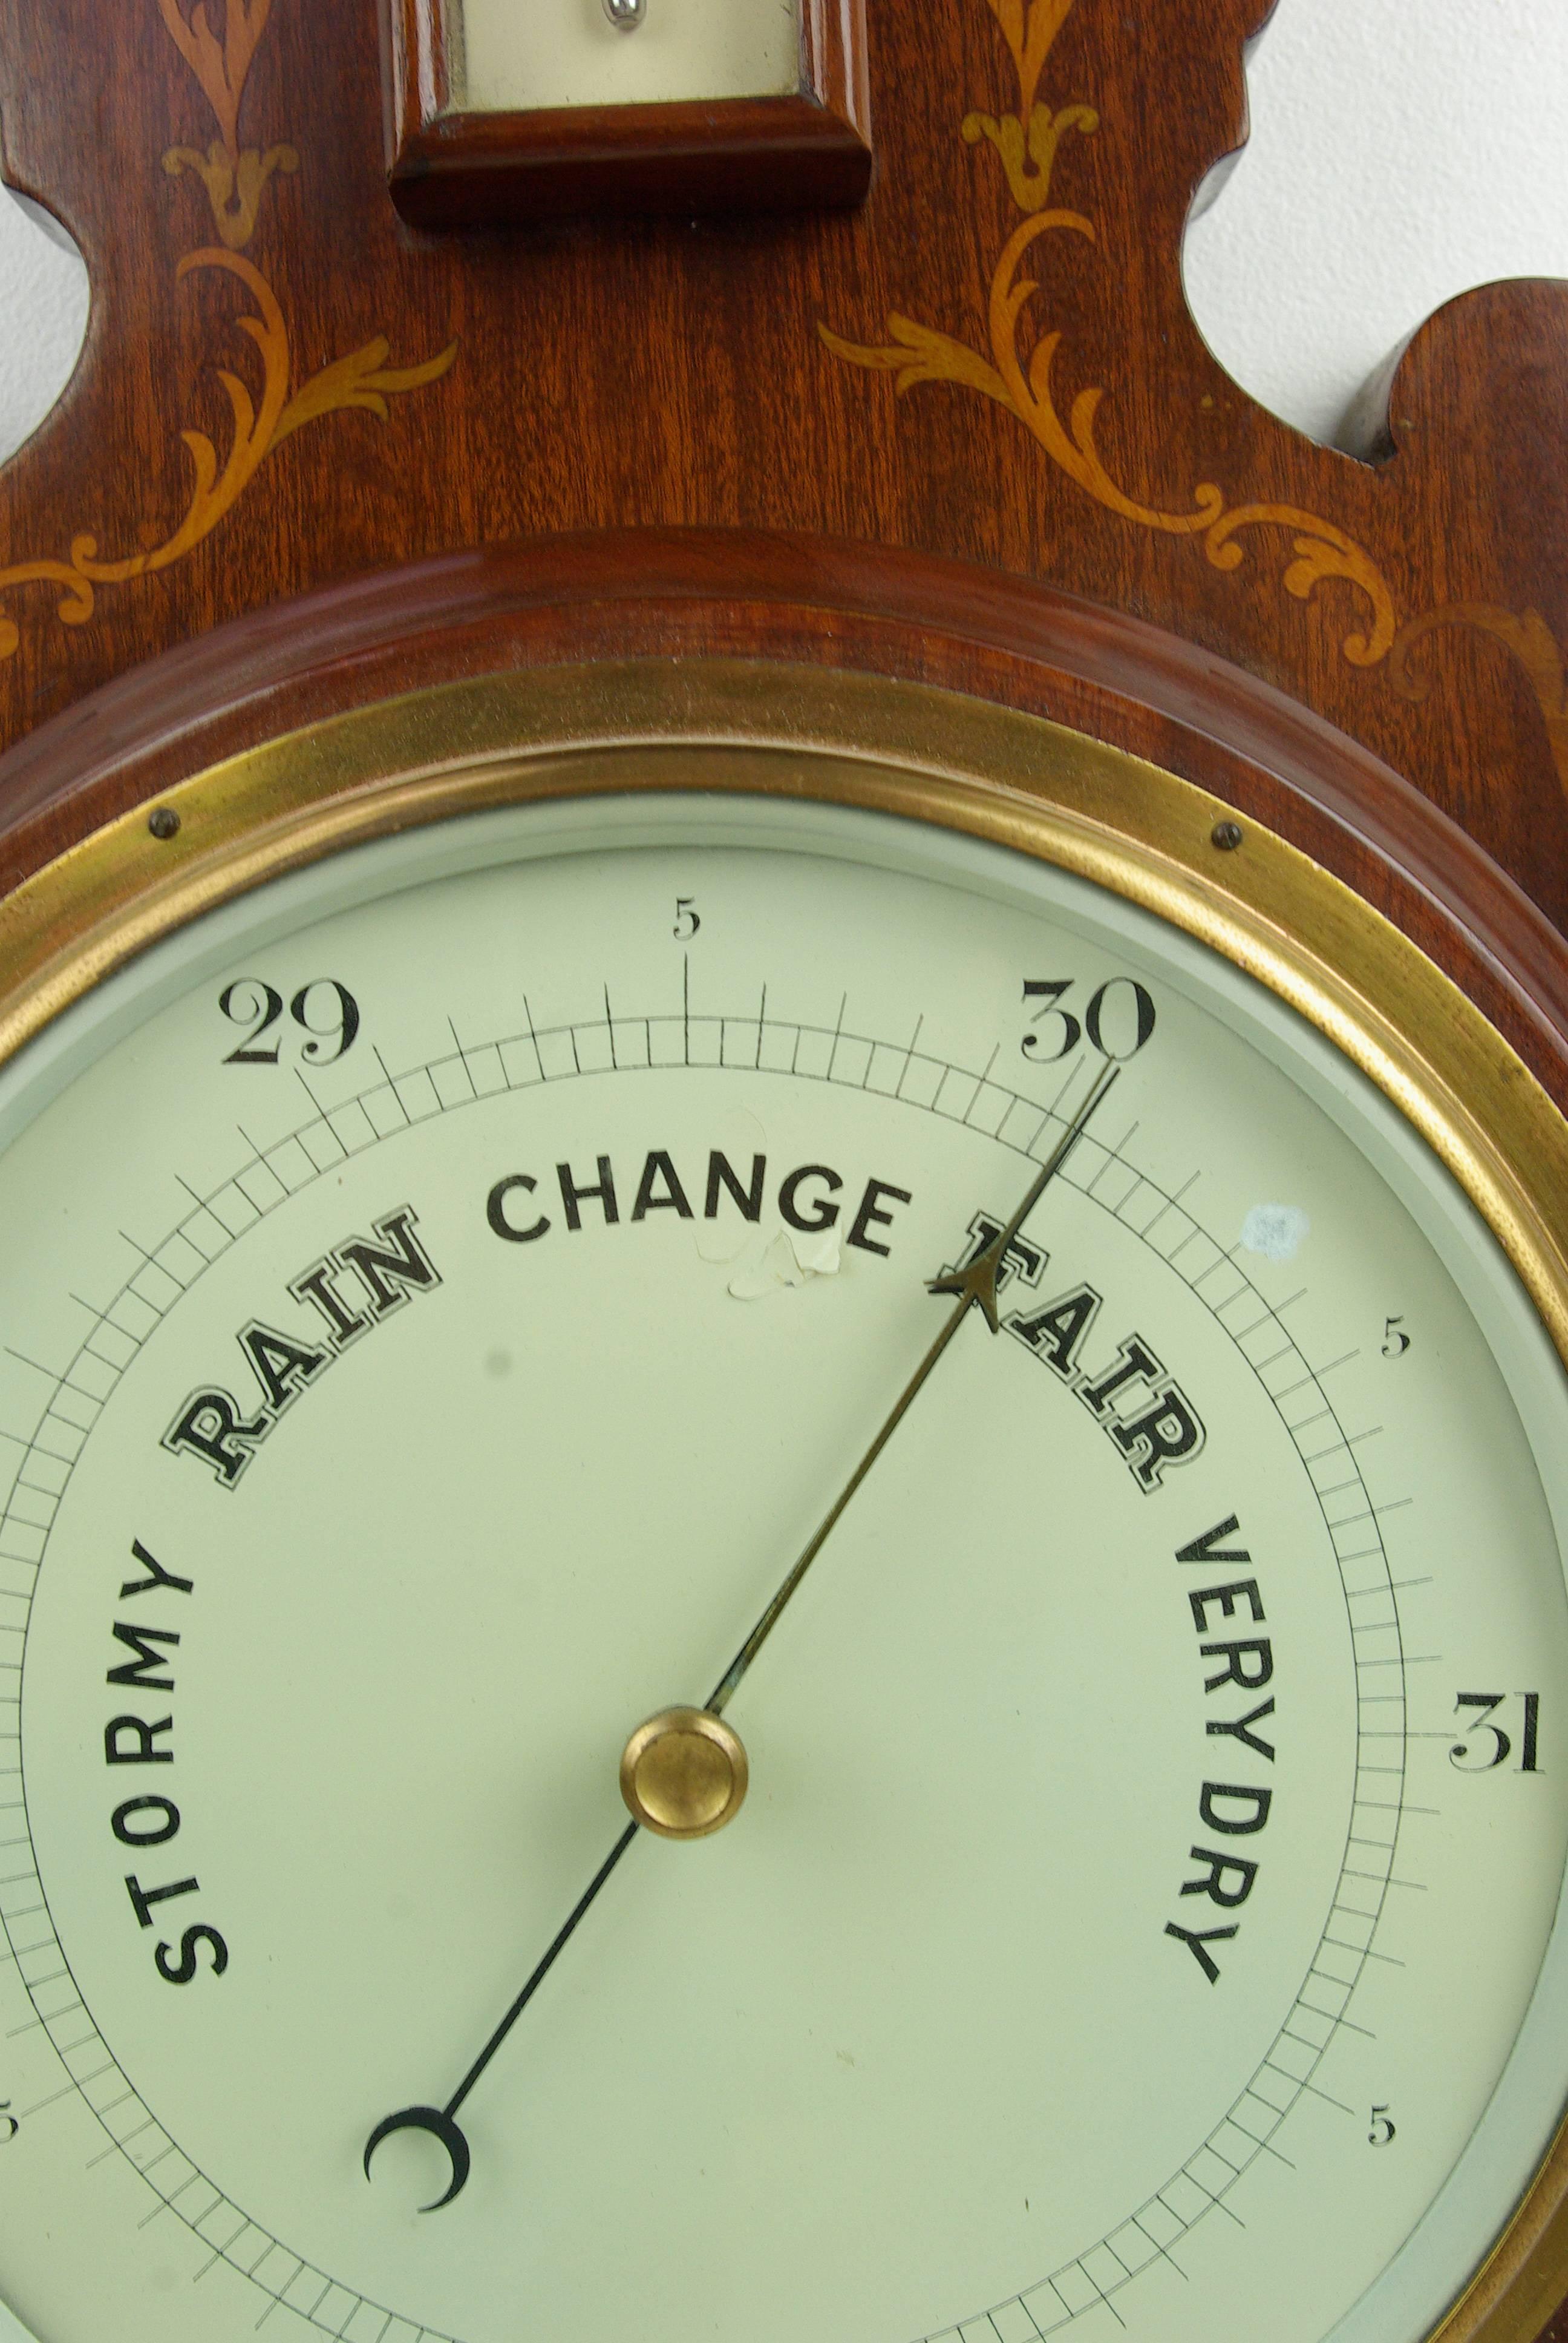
{"points": [[250, 1002], [1118, 1017]]}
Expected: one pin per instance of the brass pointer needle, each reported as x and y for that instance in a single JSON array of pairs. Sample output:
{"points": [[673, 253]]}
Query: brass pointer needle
{"points": [[976, 1284]]}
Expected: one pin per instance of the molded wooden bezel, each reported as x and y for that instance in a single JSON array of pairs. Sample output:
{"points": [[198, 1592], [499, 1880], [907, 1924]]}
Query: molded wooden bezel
{"points": [[682, 594], [447, 168]]}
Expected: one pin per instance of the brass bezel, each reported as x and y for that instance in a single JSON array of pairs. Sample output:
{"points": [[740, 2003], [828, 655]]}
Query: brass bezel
{"points": [[778, 730]]}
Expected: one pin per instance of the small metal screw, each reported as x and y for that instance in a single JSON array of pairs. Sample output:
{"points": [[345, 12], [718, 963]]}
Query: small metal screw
{"points": [[164, 822], [1226, 836]]}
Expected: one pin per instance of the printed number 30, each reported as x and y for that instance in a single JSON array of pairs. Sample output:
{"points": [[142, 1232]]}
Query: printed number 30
{"points": [[1119, 1003]]}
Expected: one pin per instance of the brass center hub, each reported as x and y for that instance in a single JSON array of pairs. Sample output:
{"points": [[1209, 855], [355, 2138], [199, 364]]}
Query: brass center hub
{"points": [[683, 1773]]}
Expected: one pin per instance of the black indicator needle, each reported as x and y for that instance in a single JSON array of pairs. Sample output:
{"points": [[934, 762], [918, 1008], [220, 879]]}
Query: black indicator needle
{"points": [[441, 2123], [974, 1285]]}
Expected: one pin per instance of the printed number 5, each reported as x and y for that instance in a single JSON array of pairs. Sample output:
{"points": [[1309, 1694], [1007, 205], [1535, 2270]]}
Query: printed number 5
{"points": [[686, 920], [9, 2121], [1383, 2128]]}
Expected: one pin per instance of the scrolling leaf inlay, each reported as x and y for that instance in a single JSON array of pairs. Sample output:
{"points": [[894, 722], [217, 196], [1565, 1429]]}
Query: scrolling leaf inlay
{"points": [[1029, 144], [360, 380]]}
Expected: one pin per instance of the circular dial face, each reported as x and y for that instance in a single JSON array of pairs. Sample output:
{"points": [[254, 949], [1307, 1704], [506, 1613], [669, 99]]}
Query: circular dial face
{"points": [[447, 1295]]}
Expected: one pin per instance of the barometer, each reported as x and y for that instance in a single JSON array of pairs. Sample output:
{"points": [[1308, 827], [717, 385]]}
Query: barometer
{"points": [[783, 1213], [786, 1476]]}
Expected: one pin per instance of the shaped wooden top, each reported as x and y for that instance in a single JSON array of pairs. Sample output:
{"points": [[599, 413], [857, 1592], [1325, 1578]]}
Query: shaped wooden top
{"points": [[989, 363]]}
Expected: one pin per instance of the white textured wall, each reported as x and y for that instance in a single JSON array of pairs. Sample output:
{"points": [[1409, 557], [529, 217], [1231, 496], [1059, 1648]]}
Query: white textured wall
{"points": [[44, 307], [1402, 150]]}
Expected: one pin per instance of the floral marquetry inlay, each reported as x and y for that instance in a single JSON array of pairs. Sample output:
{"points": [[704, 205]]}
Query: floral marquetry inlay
{"points": [[265, 410], [1015, 369], [234, 176]]}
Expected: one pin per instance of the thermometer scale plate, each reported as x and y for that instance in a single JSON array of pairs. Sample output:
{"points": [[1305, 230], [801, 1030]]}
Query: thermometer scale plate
{"points": [[496, 113]]}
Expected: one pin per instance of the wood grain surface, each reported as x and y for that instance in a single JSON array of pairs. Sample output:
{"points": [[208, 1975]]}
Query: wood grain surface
{"points": [[402, 397]]}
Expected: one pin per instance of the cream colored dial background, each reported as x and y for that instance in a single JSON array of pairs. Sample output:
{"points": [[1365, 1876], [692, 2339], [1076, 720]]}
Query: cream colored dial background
{"points": [[910, 2042]]}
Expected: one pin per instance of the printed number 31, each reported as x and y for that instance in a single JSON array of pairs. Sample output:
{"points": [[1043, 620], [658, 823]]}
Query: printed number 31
{"points": [[1466, 1755]]}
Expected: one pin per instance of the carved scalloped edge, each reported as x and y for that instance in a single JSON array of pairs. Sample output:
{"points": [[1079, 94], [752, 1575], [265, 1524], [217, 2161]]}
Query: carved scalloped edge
{"points": [[1210, 183], [234, 179], [1016, 370], [1522, 324], [1379, 423]]}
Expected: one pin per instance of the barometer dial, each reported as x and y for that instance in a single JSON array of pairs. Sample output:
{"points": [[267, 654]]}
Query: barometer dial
{"points": [[449, 1292]]}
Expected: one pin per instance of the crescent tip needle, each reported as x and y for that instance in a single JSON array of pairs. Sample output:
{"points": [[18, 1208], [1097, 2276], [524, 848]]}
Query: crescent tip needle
{"points": [[975, 1285]]}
